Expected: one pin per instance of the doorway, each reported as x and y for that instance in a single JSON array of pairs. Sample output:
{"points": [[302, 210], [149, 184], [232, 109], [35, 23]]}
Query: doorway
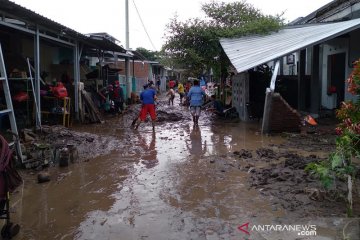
{"points": [[336, 73]]}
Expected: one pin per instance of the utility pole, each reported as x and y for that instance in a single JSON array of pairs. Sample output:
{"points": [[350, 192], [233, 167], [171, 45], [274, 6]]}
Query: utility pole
{"points": [[127, 24], [127, 45]]}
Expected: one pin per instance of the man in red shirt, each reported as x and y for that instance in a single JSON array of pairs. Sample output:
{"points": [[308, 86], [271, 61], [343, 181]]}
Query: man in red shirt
{"points": [[171, 84]]}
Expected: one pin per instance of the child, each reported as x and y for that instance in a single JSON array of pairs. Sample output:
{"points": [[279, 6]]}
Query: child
{"points": [[181, 92], [171, 94]]}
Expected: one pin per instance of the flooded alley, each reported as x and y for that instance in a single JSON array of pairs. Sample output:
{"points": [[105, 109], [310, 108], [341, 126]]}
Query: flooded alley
{"points": [[180, 120], [179, 182]]}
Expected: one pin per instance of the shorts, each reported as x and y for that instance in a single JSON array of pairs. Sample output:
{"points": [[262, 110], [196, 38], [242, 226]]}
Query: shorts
{"points": [[148, 108], [195, 110]]}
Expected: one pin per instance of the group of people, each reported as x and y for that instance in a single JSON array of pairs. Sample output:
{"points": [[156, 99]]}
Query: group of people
{"points": [[195, 96], [171, 92], [113, 97]]}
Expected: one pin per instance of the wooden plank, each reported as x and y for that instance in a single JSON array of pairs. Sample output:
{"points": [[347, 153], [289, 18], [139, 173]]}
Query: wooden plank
{"points": [[81, 108], [96, 116]]}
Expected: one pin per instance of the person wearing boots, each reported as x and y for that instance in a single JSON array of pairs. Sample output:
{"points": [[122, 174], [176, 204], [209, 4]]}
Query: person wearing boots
{"points": [[195, 96], [147, 97], [171, 94], [181, 91]]}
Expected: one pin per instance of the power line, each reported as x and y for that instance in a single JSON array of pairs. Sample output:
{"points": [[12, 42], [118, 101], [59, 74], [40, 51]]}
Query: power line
{"points": [[144, 26]]}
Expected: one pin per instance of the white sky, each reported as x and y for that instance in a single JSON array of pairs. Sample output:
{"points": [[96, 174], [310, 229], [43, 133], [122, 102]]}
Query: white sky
{"points": [[89, 16]]}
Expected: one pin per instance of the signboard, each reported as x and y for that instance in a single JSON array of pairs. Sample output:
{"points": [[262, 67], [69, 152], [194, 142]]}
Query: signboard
{"points": [[290, 59]]}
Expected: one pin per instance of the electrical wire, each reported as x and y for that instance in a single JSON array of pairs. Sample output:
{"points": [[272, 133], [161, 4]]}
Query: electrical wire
{"points": [[144, 26]]}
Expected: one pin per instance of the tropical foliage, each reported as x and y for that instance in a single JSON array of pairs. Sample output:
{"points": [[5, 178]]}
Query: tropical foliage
{"points": [[194, 44], [342, 163], [149, 55]]}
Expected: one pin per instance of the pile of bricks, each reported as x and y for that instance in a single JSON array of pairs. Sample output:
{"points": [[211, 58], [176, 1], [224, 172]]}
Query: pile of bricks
{"points": [[283, 118]]}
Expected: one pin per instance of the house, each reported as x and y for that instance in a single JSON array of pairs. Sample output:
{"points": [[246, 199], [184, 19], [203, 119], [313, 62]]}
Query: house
{"points": [[141, 70], [320, 48], [35, 45]]}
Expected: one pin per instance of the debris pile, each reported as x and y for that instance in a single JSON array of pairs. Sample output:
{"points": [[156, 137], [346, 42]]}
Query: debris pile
{"points": [[57, 145]]}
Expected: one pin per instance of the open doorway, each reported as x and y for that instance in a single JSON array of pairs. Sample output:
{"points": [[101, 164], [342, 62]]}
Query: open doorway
{"points": [[336, 76]]}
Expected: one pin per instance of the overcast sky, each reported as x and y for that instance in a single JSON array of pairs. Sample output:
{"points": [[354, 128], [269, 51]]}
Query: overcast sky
{"points": [[89, 16]]}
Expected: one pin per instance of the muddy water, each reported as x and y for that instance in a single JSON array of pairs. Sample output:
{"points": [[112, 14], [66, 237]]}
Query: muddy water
{"points": [[163, 185], [175, 192]]}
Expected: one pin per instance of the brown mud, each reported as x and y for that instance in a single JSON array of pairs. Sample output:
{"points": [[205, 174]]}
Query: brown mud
{"points": [[181, 182]]}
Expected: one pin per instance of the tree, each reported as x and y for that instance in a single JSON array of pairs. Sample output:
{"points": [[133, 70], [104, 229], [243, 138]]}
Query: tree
{"points": [[149, 55], [194, 44]]}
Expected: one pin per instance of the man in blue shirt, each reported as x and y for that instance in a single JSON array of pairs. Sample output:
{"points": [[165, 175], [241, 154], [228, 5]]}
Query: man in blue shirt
{"points": [[195, 96], [147, 97]]}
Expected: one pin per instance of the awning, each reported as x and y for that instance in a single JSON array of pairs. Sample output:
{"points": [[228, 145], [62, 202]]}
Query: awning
{"points": [[28, 16], [248, 52], [18, 16], [104, 44]]}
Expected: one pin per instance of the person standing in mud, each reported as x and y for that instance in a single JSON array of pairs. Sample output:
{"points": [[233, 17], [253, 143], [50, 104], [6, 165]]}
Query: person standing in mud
{"points": [[158, 83], [217, 106], [171, 94], [147, 97], [187, 86], [195, 96], [172, 84], [181, 91], [118, 97]]}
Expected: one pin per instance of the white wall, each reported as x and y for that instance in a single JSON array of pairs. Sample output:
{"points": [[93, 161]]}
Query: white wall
{"points": [[351, 48], [290, 69], [331, 47]]}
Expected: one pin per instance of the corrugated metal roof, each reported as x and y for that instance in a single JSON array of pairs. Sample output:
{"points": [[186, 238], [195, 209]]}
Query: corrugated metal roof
{"points": [[248, 52], [330, 9], [31, 18], [28, 15], [105, 44]]}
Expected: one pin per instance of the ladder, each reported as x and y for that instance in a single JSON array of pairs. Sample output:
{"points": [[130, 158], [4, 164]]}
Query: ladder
{"points": [[9, 107]]}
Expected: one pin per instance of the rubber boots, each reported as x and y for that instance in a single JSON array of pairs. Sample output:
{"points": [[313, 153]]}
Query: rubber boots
{"points": [[153, 125]]}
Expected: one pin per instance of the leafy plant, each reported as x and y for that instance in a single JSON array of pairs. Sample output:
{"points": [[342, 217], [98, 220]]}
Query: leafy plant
{"points": [[149, 55], [194, 44], [340, 164]]}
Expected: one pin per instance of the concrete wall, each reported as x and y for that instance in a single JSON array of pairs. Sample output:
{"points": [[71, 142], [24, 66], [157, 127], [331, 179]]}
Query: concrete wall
{"points": [[289, 69], [334, 46], [141, 69], [282, 117], [350, 46], [240, 94]]}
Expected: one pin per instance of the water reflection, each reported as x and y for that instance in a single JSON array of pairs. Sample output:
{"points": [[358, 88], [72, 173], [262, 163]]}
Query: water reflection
{"points": [[196, 147], [149, 153]]}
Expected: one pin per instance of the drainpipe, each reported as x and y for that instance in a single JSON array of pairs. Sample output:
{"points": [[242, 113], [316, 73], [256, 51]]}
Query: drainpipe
{"points": [[268, 100], [127, 45]]}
